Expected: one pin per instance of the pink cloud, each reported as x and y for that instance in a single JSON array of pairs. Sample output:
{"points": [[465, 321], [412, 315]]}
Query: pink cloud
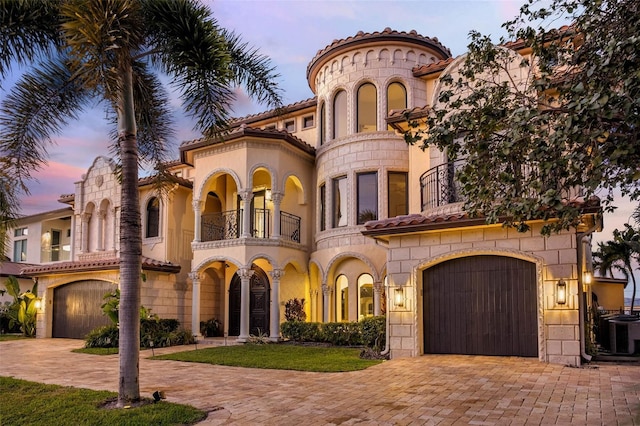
{"points": [[47, 185]]}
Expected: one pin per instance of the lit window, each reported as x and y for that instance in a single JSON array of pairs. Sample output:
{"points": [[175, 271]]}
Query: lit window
{"points": [[290, 126], [153, 218], [398, 195], [396, 99], [339, 202], [367, 197], [367, 111], [342, 293], [308, 121], [20, 250], [340, 115], [365, 294]]}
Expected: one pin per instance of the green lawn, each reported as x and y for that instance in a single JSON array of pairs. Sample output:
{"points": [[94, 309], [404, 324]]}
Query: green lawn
{"points": [[34, 404], [7, 337], [280, 357]]}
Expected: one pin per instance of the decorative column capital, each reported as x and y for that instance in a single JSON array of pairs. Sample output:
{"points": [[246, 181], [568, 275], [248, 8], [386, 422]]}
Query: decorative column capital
{"points": [[326, 289], [195, 277], [196, 204], [85, 217], [277, 197], [277, 274], [246, 195], [245, 273], [377, 286]]}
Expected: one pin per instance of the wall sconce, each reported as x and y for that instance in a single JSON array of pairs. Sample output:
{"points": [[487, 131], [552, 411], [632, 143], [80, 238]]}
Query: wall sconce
{"points": [[587, 277], [561, 292], [398, 297], [38, 304]]}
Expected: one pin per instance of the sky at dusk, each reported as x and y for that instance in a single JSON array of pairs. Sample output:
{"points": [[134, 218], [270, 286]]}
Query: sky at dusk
{"points": [[290, 33]]}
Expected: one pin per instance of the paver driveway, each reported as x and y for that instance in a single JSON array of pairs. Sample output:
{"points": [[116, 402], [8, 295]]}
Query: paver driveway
{"points": [[431, 389]]}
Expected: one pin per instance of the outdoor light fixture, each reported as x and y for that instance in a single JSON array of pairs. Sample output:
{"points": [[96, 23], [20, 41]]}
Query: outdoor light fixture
{"points": [[588, 276], [398, 297], [38, 304], [561, 292]]}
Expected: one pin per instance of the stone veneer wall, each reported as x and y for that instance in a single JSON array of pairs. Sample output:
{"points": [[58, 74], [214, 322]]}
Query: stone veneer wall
{"points": [[555, 257]]}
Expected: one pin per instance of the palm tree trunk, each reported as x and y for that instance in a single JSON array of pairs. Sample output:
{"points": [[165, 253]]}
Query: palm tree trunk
{"points": [[633, 294], [130, 248]]}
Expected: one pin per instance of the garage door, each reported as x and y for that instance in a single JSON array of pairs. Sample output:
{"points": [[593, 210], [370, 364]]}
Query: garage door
{"points": [[482, 305], [76, 308]]}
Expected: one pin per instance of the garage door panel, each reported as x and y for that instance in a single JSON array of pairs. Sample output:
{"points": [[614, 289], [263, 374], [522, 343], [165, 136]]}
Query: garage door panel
{"points": [[480, 305], [77, 308]]}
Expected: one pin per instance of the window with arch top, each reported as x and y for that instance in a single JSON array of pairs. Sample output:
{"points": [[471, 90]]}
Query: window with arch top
{"points": [[153, 218], [396, 98], [367, 111], [340, 115]]}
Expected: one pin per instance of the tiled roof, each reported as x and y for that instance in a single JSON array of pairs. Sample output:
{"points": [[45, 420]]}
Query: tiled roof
{"points": [[98, 265], [419, 222], [8, 268], [435, 67], [387, 35], [244, 131], [397, 115], [148, 180], [274, 112]]}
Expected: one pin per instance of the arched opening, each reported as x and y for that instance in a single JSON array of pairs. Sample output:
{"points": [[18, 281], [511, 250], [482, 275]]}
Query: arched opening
{"points": [[365, 296], [259, 296], [340, 114], [396, 98], [323, 124], [342, 296], [367, 110], [153, 218]]}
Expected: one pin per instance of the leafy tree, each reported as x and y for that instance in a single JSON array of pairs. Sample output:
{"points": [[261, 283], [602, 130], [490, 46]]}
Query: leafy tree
{"points": [[619, 255], [23, 309], [110, 50], [534, 128]]}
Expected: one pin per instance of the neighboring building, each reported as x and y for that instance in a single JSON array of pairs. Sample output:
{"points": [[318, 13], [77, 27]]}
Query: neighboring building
{"points": [[277, 209]]}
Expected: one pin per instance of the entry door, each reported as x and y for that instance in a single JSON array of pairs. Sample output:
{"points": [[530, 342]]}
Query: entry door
{"points": [[258, 304], [483, 305]]}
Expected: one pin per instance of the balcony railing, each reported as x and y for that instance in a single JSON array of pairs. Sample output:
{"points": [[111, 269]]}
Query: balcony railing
{"points": [[228, 225], [438, 185], [290, 227]]}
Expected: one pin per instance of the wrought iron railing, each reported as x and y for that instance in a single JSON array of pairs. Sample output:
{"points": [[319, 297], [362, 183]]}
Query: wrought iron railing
{"points": [[438, 185], [228, 225], [290, 227], [221, 226]]}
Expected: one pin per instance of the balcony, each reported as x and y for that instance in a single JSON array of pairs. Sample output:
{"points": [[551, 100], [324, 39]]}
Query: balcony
{"points": [[228, 225], [438, 186]]}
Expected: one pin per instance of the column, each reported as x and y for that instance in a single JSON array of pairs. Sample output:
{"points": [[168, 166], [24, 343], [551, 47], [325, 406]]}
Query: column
{"points": [[276, 197], [377, 292], [326, 293], [195, 303], [197, 212], [245, 299], [101, 216], [274, 315], [84, 244], [247, 196]]}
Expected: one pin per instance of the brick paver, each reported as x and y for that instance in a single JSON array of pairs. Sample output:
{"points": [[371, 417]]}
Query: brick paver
{"points": [[427, 390]]}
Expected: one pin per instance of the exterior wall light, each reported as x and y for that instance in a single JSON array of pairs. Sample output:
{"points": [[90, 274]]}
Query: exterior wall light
{"points": [[38, 304], [588, 276], [561, 292], [398, 297]]}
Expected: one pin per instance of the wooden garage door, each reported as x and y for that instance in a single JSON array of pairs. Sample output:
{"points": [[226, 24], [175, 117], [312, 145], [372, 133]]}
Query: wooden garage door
{"points": [[76, 308], [482, 305]]}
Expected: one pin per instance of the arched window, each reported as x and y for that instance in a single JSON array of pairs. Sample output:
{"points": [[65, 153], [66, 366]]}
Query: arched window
{"points": [[340, 115], [365, 296], [367, 111], [396, 98], [153, 218], [342, 294], [323, 125]]}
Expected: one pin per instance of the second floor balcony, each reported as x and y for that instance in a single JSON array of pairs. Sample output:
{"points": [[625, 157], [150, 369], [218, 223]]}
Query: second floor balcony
{"points": [[439, 186], [228, 225]]}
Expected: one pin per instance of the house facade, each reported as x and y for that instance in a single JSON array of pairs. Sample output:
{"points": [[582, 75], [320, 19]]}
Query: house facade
{"points": [[324, 201]]}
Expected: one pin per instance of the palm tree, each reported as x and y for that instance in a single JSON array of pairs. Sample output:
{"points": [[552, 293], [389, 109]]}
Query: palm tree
{"points": [[109, 50], [619, 255]]}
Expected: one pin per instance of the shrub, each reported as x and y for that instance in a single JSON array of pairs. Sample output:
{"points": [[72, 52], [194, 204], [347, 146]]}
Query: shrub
{"points": [[374, 332], [342, 333], [294, 310], [301, 331], [211, 328], [106, 336]]}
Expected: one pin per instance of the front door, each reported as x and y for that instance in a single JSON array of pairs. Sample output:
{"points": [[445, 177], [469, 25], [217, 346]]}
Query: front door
{"points": [[258, 304]]}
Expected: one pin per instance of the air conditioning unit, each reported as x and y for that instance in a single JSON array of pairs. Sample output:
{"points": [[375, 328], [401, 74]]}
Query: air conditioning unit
{"points": [[624, 333]]}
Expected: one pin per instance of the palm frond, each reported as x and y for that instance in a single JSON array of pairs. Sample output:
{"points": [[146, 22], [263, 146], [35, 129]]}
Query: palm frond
{"points": [[29, 29], [253, 71], [37, 107]]}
